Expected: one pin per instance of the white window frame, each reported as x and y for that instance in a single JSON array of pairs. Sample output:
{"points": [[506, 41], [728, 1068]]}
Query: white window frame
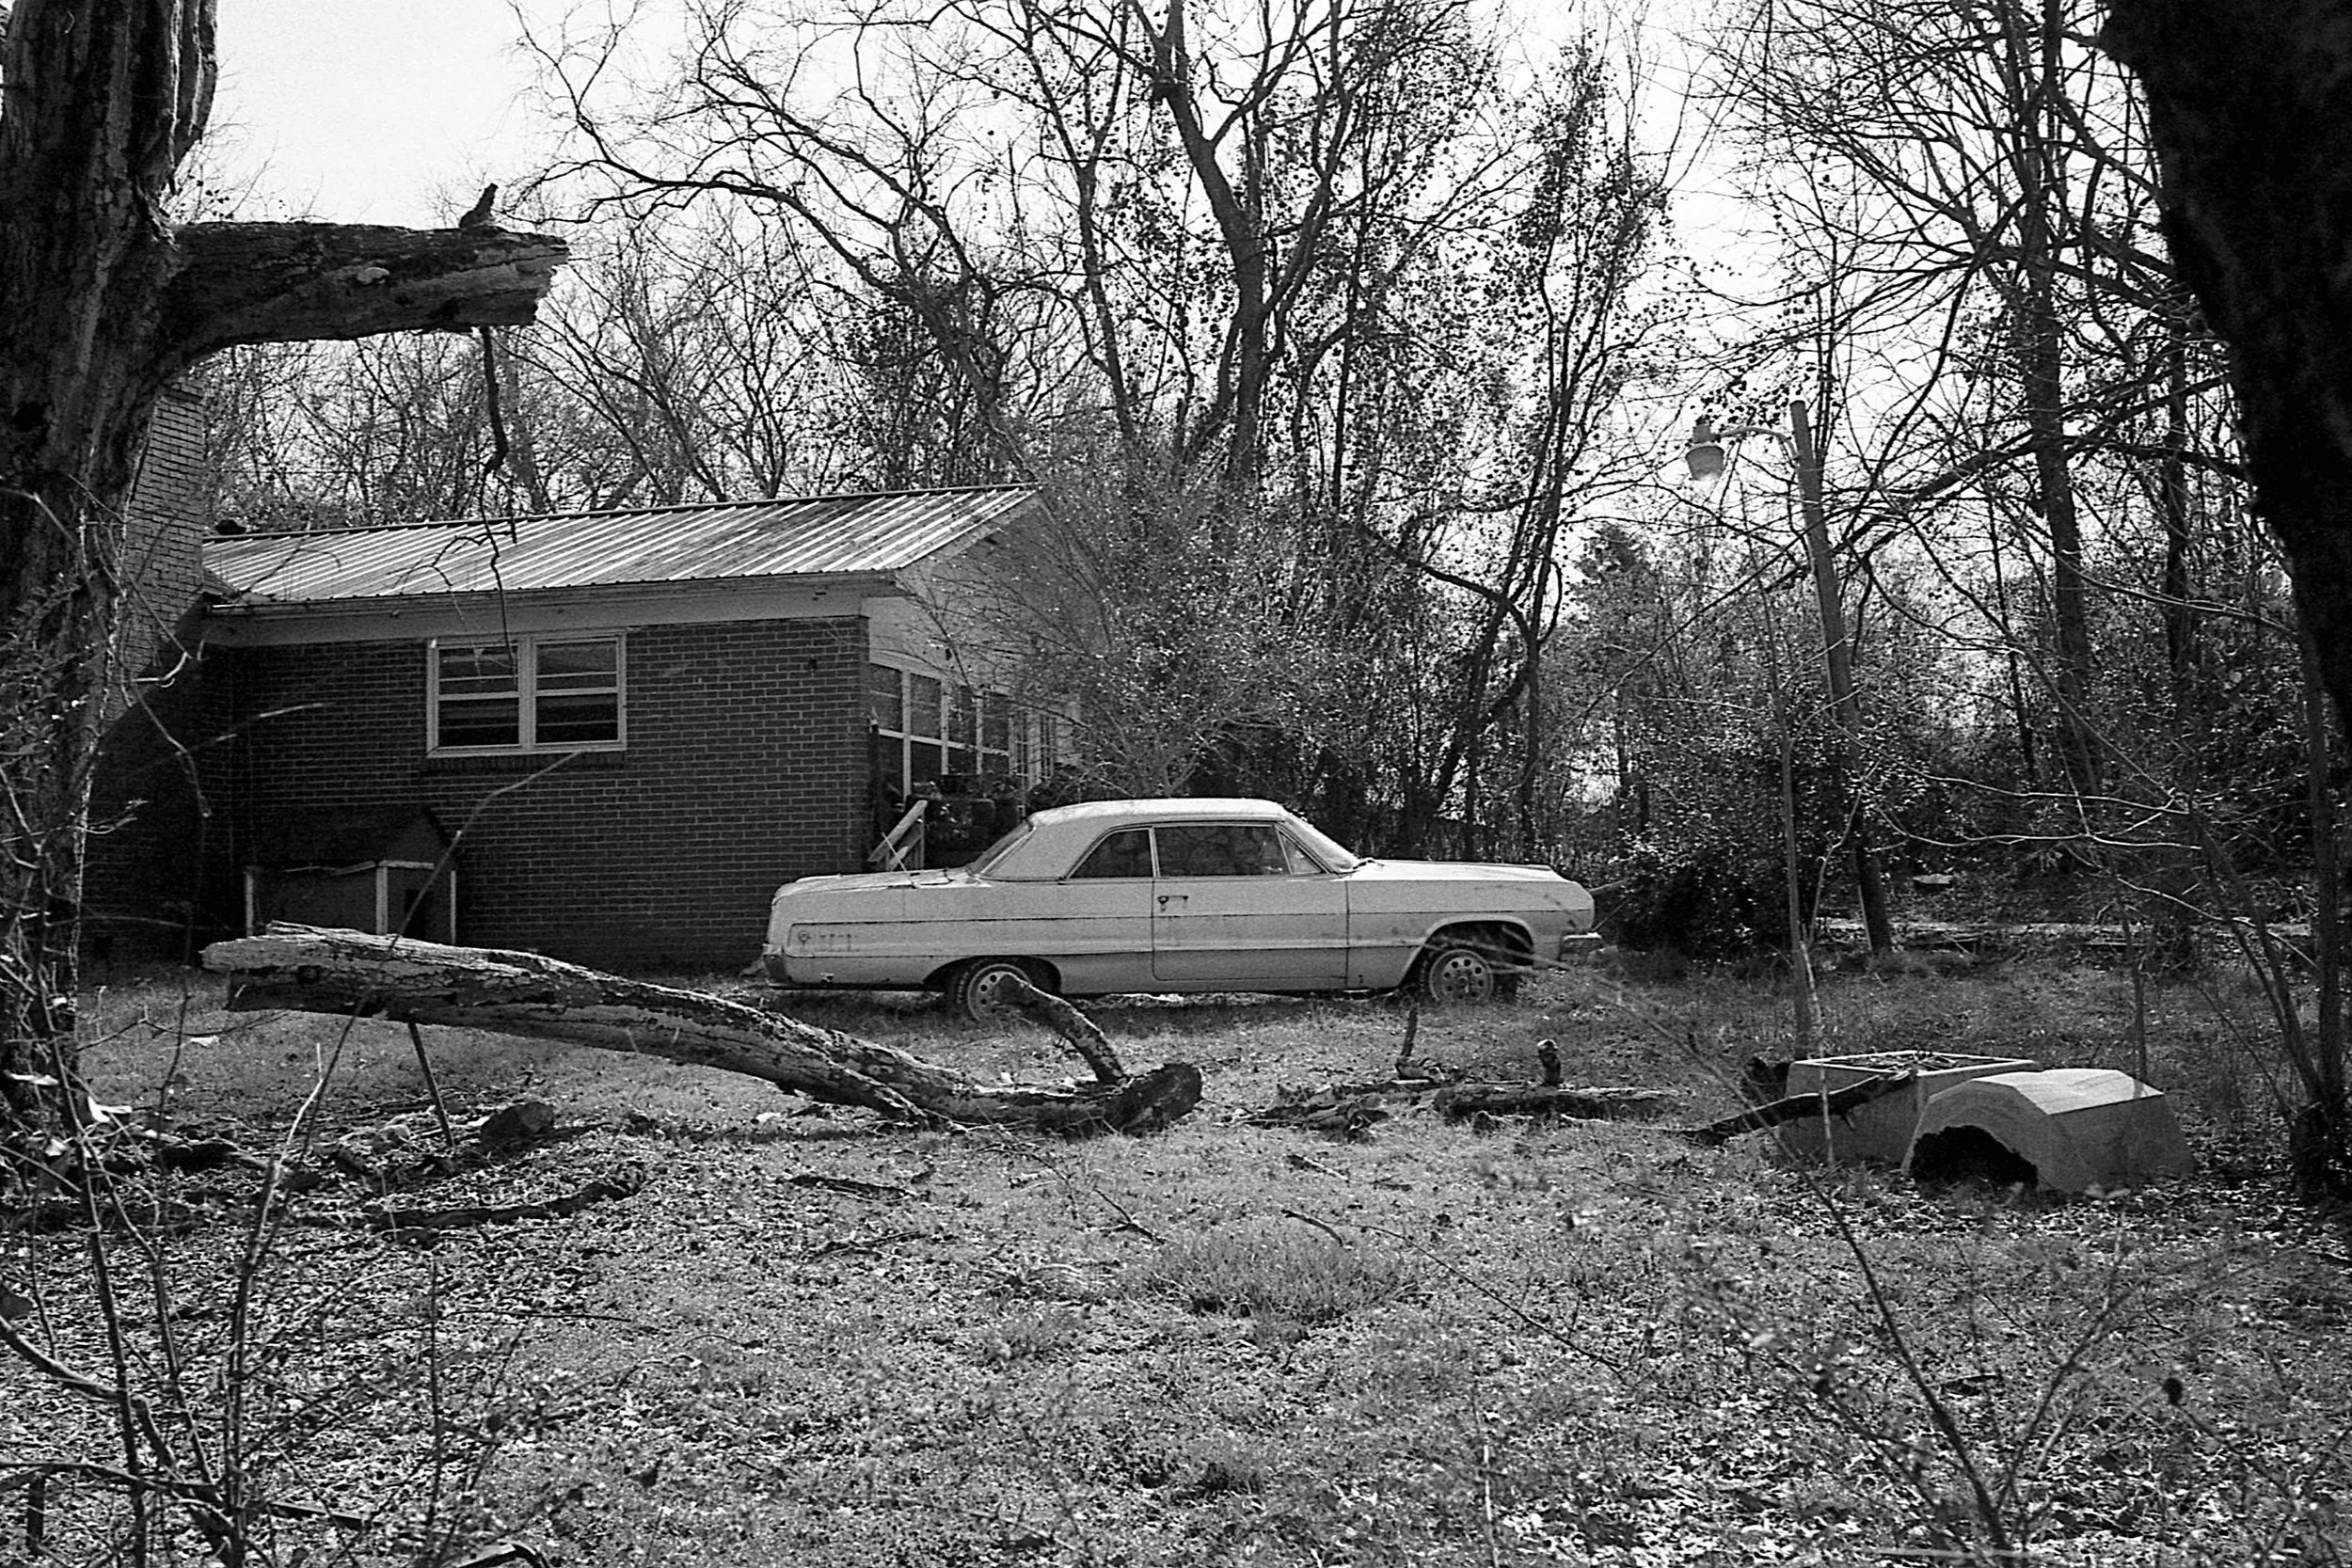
{"points": [[527, 694]]}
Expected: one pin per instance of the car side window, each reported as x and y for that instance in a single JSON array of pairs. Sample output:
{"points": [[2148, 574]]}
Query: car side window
{"points": [[1222, 850], [1126, 853]]}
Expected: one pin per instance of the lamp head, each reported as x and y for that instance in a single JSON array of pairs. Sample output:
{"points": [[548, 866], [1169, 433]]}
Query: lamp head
{"points": [[1705, 454]]}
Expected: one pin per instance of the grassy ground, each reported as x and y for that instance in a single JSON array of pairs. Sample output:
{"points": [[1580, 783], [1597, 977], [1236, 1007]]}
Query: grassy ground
{"points": [[811, 1338]]}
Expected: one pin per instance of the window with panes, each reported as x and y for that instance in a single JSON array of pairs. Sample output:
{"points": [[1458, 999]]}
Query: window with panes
{"points": [[525, 694]]}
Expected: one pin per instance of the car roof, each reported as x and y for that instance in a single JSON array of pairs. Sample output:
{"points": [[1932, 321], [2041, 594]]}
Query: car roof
{"points": [[1059, 835], [1165, 808]]}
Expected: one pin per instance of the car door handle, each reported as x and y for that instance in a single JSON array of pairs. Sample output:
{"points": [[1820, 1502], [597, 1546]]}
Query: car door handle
{"points": [[1168, 899]]}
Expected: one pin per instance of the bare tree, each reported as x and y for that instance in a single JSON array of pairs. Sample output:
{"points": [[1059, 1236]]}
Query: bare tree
{"points": [[103, 300], [1973, 185]]}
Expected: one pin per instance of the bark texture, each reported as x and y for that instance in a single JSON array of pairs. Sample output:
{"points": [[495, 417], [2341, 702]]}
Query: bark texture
{"points": [[311, 969], [2249, 105]]}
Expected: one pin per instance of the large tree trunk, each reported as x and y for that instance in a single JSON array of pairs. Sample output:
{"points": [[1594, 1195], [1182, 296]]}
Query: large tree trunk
{"points": [[2247, 108], [309, 970], [103, 301]]}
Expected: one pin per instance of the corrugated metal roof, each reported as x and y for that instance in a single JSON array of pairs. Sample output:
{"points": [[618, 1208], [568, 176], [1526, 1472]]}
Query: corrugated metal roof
{"points": [[811, 536]]}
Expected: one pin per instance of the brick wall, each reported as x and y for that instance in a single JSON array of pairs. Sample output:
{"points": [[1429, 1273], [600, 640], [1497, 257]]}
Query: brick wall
{"points": [[164, 524], [746, 766], [145, 884]]}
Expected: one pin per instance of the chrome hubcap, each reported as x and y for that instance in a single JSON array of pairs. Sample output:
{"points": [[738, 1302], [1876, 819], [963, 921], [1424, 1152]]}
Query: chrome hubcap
{"points": [[1462, 978], [990, 994]]}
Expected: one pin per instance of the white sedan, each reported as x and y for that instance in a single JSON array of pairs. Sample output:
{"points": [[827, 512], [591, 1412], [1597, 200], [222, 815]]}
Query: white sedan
{"points": [[1175, 895]]}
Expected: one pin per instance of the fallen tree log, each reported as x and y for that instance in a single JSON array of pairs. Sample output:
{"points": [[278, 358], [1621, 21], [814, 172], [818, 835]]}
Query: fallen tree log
{"points": [[1796, 1107], [310, 969], [1460, 1102], [1350, 1108]]}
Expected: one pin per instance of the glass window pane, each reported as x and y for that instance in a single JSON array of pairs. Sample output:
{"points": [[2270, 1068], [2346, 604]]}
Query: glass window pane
{"points": [[1126, 853], [923, 715], [479, 670], [1224, 851], [886, 701], [924, 762], [592, 666], [996, 721], [495, 722], [890, 771], [577, 719]]}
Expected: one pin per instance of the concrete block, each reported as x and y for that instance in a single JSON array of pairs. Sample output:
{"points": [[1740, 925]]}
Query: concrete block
{"points": [[2078, 1128], [1882, 1129]]}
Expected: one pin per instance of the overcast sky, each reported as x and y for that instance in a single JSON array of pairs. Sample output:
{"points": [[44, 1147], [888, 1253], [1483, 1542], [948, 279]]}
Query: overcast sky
{"points": [[364, 111]]}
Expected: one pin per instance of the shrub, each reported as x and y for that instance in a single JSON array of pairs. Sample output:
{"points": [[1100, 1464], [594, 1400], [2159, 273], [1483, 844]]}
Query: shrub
{"points": [[1702, 900]]}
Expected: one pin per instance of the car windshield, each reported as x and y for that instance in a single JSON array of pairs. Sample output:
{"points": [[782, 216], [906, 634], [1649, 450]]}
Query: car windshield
{"points": [[1322, 847], [981, 862]]}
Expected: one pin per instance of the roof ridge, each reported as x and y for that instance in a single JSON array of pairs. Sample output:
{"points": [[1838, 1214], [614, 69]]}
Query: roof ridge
{"points": [[512, 517]]}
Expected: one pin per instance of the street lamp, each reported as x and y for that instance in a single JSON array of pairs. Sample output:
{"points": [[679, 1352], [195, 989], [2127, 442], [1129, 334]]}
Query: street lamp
{"points": [[1706, 458], [1705, 455]]}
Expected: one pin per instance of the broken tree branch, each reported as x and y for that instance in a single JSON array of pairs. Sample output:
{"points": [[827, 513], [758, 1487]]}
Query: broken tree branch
{"points": [[309, 969], [621, 1184], [1796, 1107], [295, 282], [1070, 1024]]}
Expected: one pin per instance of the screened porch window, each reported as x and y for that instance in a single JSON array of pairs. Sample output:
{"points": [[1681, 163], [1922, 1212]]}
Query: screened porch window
{"points": [[925, 729]]}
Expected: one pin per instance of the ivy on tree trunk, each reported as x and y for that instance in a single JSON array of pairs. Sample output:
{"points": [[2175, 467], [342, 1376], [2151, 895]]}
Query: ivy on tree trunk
{"points": [[103, 301]]}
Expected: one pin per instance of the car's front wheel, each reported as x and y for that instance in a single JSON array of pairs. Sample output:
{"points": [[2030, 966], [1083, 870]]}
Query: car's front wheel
{"points": [[982, 988], [1456, 974]]}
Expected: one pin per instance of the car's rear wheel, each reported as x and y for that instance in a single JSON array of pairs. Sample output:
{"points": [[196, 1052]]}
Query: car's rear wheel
{"points": [[981, 990]]}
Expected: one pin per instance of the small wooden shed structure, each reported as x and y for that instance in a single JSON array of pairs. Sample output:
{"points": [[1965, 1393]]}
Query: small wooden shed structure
{"points": [[390, 872]]}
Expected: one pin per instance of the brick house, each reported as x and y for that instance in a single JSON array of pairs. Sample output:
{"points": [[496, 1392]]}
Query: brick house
{"points": [[632, 725]]}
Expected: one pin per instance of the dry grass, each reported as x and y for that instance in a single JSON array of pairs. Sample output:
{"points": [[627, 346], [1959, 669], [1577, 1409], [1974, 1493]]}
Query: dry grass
{"points": [[1564, 1343]]}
